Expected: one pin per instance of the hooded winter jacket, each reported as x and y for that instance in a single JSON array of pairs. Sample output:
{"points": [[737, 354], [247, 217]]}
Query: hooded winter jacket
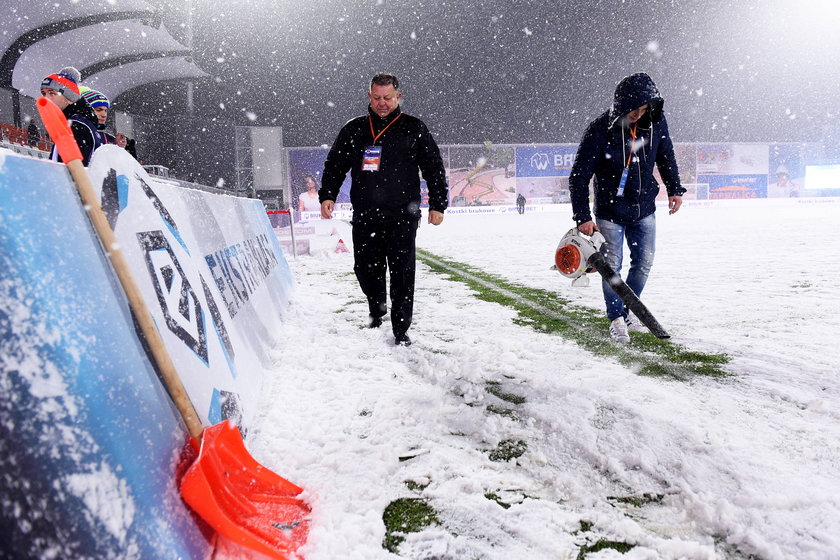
{"points": [[394, 190], [604, 151]]}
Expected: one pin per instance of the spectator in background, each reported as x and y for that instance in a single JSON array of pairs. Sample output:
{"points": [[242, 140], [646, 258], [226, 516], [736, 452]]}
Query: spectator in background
{"points": [[131, 147], [100, 105], [308, 200], [520, 203], [63, 90], [33, 134], [125, 143]]}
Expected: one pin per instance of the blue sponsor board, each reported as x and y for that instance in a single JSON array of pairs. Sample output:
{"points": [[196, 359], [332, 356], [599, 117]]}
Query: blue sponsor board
{"points": [[310, 161], [735, 186], [91, 444], [545, 161]]}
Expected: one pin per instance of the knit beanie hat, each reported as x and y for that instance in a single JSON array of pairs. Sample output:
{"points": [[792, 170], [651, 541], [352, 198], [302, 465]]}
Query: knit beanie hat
{"points": [[94, 98], [65, 82]]}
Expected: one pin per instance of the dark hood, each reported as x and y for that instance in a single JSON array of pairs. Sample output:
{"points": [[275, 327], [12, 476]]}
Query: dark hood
{"points": [[81, 108], [631, 93]]}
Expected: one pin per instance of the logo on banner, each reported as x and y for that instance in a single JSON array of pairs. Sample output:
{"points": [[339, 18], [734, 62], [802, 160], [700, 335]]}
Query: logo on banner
{"points": [[179, 303], [540, 161]]}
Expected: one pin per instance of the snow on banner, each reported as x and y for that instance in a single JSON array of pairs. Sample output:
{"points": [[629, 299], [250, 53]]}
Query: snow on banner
{"points": [[88, 438], [213, 274]]}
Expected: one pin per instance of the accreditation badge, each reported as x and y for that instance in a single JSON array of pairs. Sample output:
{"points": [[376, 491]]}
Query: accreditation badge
{"points": [[373, 155]]}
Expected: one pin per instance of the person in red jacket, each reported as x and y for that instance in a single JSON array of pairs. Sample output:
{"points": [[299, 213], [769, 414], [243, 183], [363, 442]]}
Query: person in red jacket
{"points": [[383, 151]]}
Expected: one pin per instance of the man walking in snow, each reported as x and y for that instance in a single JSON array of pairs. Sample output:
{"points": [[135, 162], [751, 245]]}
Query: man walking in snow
{"points": [[620, 148], [383, 151]]}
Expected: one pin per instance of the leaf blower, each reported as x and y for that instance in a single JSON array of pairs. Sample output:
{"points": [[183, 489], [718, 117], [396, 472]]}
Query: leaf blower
{"points": [[577, 255]]}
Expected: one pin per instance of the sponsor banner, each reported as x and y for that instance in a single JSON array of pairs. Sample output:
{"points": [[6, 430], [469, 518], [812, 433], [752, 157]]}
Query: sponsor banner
{"points": [[732, 159], [735, 186], [822, 180], [213, 274], [786, 177], [481, 175], [510, 209], [545, 160], [489, 175], [91, 442], [305, 163]]}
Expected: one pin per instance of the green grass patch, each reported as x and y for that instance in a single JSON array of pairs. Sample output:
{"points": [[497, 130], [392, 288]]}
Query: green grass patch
{"points": [[502, 411], [492, 496], [415, 486], [546, 312], [602, 544], [508, 449], [406, 515], [495, 389], [639, 500]]}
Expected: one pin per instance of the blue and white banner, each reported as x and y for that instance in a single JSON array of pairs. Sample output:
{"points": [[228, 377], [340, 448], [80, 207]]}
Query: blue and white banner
{"points": [[545, 160], [211, 271], [91, 445]]}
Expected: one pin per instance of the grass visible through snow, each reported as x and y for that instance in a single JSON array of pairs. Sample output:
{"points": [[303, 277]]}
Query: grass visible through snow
{"points": [[545, 311]]}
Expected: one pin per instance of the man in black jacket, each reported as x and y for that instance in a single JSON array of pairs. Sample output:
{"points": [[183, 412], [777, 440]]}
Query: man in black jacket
{"points": [[383, 151], [620, 148]]}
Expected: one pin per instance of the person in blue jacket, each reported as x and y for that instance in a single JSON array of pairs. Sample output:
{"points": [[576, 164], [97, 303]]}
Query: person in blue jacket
{"points": [[620, 149], [101, 106]]}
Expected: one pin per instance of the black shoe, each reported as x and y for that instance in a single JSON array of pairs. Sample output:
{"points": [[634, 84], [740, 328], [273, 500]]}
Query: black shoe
{"points": [[402, 340], [374, 322]]}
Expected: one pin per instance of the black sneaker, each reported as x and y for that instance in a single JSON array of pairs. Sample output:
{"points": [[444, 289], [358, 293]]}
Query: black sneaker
{"points": [[374, 322], [402, 340]]}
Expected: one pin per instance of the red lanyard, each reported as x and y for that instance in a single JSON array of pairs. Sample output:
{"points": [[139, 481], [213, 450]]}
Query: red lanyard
{"points": [[381, 132], [632, 144]]}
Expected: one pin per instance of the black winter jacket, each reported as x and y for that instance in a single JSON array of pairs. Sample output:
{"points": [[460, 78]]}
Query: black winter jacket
{"points": [[604, 150], [83, 121], [394, 190]]}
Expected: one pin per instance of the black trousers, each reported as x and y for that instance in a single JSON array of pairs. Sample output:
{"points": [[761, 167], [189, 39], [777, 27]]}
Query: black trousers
{"points": [[387, 244]]}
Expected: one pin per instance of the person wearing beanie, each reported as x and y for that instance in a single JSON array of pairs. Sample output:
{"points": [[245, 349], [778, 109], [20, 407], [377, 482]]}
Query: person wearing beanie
{"points": [[100, 105], [63, 90]]}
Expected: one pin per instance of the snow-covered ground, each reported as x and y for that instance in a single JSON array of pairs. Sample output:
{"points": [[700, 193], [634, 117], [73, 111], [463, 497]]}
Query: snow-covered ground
{"points": [[704, 468]]}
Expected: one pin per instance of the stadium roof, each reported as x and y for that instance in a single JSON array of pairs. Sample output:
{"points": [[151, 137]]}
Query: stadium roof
{"points": [[116, 44]]}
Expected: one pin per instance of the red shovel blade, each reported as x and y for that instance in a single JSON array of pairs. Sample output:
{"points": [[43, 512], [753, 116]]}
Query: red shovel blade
{"points": [[243, 500]]}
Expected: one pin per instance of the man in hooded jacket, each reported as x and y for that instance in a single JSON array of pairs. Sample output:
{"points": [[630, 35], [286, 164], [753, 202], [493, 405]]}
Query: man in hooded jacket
{"points": [[620, 149]]}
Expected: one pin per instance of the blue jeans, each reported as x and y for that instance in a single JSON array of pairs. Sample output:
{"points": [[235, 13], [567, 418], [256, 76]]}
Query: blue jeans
{"points": [[641, 239]]}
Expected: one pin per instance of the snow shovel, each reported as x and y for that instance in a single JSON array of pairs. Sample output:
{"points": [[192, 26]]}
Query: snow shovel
{"points": [[243, 501], [576, 255]]}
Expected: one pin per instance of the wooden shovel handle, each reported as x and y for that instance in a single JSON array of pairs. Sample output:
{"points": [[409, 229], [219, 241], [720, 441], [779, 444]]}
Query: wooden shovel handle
{"points": [[56, 124]]}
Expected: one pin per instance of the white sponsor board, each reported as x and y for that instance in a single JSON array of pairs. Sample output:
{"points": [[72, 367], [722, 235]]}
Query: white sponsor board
{"points": [[212, 274]]}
